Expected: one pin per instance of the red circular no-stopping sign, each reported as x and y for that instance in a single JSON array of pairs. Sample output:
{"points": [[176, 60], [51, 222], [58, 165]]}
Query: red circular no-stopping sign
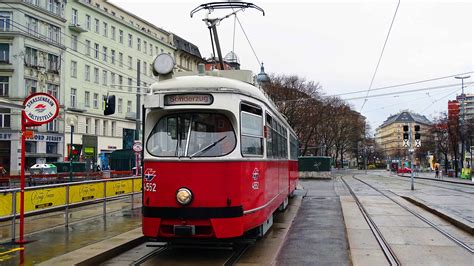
{"points": [[40, 108]]}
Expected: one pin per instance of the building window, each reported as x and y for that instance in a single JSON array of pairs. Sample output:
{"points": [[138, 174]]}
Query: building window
{"points": [[129, 106], [51, 147], [120, 82], [130, 40], [120, 105], [87, 47], [52, 126], [104, 77], [5, 21], [139, 44], [112, 78], [129, 84], [96, 127], [145, 68], [88, 125], [121, 36], [96, 50], [145, 47], [87, 100], [157, 51], [74, 69], [31, 57], [151, 49], [96, 75], [121, 59], [30, 146], [53, 90], [106, 29], [4, 118], [54, 7], [32, 25], [112, 56], [88, 22], [30, 86], [54, 34], [4, 82], [73, 97], [74, 17], [104, 54], [112, 132], [130, 62], [74, 42], [97, 29], [4, 53], [112, 29], [95, 101], [105, 127], [87, 73]]}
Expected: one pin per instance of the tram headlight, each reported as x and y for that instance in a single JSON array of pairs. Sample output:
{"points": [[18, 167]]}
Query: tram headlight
{"points": [[184, 196]]}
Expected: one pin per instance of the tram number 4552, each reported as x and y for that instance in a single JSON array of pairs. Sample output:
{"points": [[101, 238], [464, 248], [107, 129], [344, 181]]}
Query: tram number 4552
{"points": [[150, 187]]}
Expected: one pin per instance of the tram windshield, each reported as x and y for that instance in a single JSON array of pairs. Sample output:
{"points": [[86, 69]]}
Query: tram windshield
{"points": [[192, 135]]}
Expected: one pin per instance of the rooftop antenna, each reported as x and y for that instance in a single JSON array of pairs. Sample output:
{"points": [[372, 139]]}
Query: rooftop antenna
{"points": [[213, 22]]}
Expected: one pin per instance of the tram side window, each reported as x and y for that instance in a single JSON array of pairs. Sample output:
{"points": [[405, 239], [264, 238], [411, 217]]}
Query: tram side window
{"points": [[293, 148], [251, 130], [269, 136]]}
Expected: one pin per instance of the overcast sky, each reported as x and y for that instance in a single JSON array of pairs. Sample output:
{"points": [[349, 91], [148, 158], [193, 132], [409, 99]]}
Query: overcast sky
{"points": [[338, 44]]}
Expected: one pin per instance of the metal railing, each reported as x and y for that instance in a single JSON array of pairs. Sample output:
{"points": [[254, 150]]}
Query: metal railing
{"points": [[57, 197]]}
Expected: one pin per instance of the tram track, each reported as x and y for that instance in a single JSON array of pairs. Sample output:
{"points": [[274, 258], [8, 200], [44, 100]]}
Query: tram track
{"points": [[438, 186], [419, 216], [386, 249]]}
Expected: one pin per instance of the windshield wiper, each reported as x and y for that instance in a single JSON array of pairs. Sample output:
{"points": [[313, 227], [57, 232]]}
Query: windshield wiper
{"points": [[208, 147]]}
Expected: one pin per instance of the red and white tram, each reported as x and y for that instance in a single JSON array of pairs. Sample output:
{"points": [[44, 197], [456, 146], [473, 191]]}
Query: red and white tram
{"points": [[219, 159]]}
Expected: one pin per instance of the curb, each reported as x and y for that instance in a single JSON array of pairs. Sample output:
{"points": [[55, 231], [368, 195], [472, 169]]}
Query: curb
{"points": [[457, 223]]}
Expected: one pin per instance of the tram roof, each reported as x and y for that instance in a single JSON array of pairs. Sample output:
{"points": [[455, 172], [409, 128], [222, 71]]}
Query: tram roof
{"points": [[209, 83]]}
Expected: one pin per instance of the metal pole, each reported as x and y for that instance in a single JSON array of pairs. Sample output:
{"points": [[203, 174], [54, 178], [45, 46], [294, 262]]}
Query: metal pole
{"points": [[138, 109], [105, 199], [67, 206], [22, 178], [133, 191], [14, 215], [218, 47], [70, 154], [411, 158], [462, 125]]}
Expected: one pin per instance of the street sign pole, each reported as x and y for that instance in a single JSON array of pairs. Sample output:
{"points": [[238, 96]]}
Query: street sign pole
{"points": [[22, 178], [411, 150]]}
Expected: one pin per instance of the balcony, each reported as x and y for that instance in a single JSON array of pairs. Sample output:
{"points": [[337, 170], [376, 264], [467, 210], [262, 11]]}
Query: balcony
{"points": [[77, 28], [76, 107]]}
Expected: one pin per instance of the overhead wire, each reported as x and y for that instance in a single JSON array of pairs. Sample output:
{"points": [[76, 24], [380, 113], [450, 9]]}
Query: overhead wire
{"points": [[380, 57]]}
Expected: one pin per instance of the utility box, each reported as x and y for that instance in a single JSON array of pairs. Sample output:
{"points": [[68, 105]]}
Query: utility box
{"points": [[314, 164]]}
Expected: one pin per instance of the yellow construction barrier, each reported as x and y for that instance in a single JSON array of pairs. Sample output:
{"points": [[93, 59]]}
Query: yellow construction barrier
{"points": [[54, 196]]}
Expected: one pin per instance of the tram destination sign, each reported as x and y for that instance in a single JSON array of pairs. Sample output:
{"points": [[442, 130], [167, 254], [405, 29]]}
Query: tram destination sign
{"points": [[40, 108], [180, 99]]}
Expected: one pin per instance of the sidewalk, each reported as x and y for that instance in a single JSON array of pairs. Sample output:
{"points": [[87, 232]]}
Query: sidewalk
{"points": [[431, 175]]}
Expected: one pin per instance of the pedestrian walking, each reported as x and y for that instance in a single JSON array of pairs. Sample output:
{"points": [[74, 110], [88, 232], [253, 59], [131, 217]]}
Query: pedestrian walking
{"points": [[436, 171]]}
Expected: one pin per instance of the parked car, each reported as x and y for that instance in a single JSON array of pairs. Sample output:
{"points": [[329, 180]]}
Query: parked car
{"points": [[405, 170]]}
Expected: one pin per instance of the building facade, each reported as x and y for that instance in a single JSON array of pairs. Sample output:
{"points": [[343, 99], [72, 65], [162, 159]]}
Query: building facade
{"points": [[31, 60], [389, 135], [79, 51]]}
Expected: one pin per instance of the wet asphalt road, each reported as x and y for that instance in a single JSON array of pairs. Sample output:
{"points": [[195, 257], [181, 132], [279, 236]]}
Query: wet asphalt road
{"points": [[317, 236]]}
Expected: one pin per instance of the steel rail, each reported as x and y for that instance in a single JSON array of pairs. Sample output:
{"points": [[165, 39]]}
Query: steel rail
{"points": [[239, 250], [386, 249], [150, 255], [419, 216]]}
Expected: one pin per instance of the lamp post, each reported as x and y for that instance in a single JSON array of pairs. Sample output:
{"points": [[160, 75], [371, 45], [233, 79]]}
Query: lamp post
{"points": [[71, 121], [462, 118]]}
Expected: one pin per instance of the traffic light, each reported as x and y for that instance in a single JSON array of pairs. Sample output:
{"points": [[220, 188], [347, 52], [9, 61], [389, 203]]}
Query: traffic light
{"points": [[405, 133], [417, 132], [109, 105]]}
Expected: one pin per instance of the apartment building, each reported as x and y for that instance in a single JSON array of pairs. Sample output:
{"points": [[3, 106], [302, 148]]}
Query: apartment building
{"points": [[389, 135], [32, 53]]}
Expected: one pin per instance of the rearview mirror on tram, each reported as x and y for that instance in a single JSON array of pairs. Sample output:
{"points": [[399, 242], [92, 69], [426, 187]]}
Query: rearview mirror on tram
{"points": [[109, 105]]}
